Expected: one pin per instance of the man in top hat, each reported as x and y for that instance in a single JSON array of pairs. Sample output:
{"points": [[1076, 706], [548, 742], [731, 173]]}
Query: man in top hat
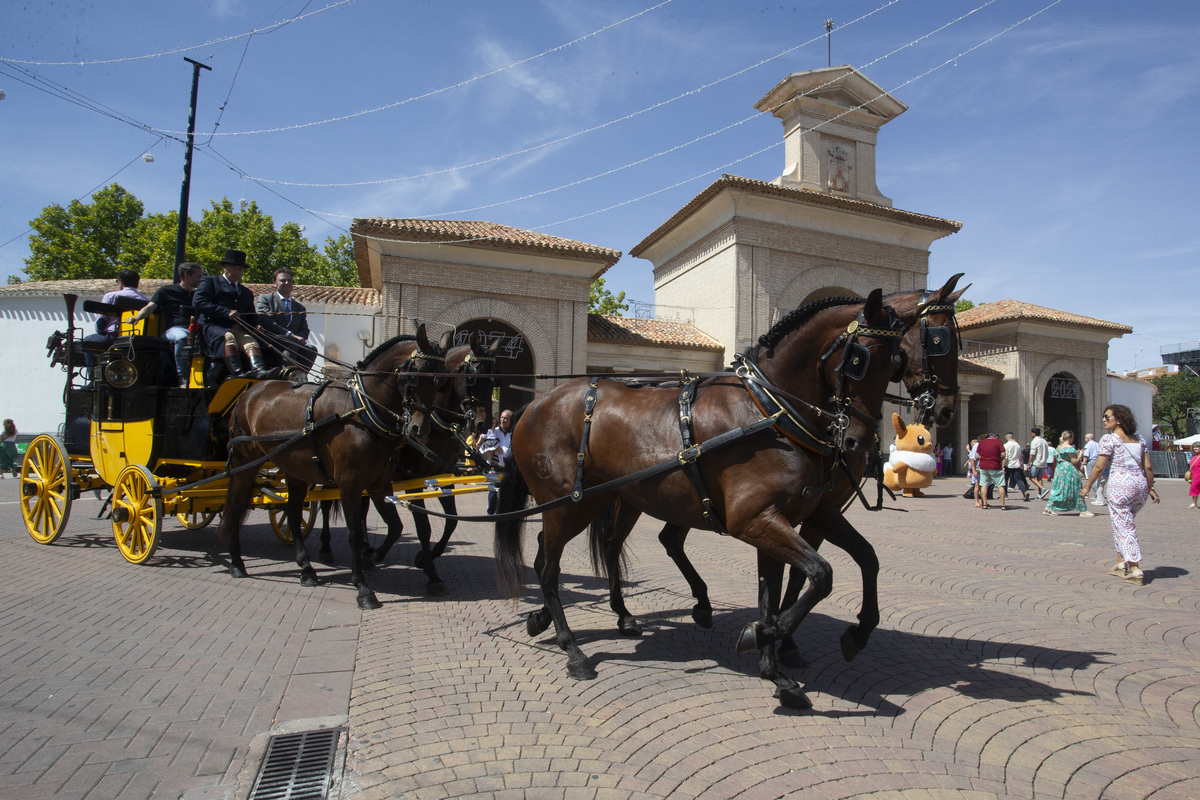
{"points": [[227, 317], [287, 319]]}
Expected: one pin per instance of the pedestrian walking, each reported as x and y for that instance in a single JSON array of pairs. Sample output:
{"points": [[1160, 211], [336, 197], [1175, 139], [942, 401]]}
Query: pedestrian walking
{"points": [[1192, 475], [1130, 484], [1064, 487]]}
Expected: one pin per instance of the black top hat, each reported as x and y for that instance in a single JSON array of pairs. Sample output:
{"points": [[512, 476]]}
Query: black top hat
{"points": [[235, 257]]}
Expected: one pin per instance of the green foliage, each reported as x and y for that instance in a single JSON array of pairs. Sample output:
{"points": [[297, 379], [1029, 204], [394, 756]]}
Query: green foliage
{"points": [[602, 301], [1176, 394], [84, 240], [97, 239], [963, 305]]}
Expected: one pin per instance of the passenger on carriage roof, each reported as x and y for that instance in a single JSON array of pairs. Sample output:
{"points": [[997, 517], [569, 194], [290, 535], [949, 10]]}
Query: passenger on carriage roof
{"points": [[287, 319], [174, 303], [106, 327], [227, 315]]}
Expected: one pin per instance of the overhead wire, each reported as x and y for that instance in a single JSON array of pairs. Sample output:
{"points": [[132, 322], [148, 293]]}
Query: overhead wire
{"points": [[174, 51]]}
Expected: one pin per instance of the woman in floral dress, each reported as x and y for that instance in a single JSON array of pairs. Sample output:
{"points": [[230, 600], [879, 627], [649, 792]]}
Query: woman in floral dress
{"points": [[1130, 484], [1064, 489]]}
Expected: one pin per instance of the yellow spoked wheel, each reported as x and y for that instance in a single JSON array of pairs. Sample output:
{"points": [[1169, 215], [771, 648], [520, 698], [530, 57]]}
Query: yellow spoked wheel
{"points": [[279, 523], [45, 489], [137, 514], [195, 520]]}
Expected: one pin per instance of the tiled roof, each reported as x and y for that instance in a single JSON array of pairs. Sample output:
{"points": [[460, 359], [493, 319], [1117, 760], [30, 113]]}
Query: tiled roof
{"points": [[653, 332], [794, 193], [1008, 310], [484, 234], [98, 287], [974, 368]]}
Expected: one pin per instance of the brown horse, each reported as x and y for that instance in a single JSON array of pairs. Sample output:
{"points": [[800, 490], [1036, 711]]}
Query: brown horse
{"points": [[931, 378], [822, 362], [383, 405], [474, 379]]}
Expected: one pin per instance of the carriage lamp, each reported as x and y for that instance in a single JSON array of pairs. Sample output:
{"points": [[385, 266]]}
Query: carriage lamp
{"points": [[121, 374]]}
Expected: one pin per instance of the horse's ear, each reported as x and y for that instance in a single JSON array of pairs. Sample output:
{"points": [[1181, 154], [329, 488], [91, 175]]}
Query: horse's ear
{"points": [[953, 298], [899, 425], [422, 340], [874, 305], [446, 340], [494, 347]]}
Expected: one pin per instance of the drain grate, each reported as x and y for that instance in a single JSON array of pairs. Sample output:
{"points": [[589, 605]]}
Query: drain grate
{"points": [[297, 766]]}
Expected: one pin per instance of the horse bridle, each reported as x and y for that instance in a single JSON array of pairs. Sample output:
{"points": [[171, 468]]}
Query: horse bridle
{"points": [[935, 342], [856, 360]]}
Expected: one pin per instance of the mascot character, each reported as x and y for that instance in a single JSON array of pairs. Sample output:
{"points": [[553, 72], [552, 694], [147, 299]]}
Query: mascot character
{"points": [[911, 466]]}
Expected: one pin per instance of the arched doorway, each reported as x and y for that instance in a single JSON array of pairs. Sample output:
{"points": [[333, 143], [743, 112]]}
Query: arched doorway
{"points": [[513, 358], [1061, 404]]}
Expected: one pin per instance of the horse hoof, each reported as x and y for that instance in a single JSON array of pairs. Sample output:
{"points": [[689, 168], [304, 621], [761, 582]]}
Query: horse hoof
{"points": [[419, 561], [436, 589], [308, 577], [238, 572], [536, 622], [369, 602], [850, 647], [794, 699], [629, 627], [702, 617], [791, 658], [752, 638], [581, 670]]}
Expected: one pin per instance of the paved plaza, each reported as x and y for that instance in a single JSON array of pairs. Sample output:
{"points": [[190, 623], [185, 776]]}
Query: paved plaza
{"points": [[1008, 664]]}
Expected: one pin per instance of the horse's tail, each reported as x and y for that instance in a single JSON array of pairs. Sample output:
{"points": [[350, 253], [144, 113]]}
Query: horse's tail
{"points": [[510, 561], [600, 538]]}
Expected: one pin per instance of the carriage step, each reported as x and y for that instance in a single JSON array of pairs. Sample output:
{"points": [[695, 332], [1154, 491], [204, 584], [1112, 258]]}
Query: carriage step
{"points": [[298, 766]]}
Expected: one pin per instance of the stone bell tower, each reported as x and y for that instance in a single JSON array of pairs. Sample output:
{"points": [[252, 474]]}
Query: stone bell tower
{"points": [[831, 120]]}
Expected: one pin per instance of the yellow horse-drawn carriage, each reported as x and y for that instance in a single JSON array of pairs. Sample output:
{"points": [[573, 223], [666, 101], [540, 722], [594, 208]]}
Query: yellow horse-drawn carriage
{"points": [[160, 448]]}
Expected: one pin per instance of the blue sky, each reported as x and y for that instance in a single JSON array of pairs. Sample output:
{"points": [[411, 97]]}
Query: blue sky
{"points": [[1061, 134]]}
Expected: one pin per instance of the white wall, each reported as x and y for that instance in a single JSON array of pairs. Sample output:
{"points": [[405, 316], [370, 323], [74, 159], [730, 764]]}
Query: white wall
{"points": [[1139, 396], [31, 393]]}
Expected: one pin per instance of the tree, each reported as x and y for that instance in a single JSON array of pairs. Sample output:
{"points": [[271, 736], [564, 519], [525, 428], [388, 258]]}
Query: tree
{"points": [[602, 301], [85, 240], [1176, 394], [963, 305]]}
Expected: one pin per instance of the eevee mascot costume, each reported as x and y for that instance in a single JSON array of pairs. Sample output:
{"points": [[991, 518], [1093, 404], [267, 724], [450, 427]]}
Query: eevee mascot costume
{"points": [[910, 466]]}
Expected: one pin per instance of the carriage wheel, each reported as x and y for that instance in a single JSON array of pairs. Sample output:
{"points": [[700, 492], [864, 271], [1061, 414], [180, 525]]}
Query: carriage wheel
{"points": [[45, 489], [279, 524], [137, 514], [195, 520]]}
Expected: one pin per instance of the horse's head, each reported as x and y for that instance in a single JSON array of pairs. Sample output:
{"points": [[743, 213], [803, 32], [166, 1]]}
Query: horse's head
{"points": [[931, 346], [480, 383], [422, 391], [838, 356]]}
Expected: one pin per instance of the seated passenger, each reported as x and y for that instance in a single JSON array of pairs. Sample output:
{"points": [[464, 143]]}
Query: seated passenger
{"points": [[227, 317], [287, 319], [106, 327], [174, 303]]}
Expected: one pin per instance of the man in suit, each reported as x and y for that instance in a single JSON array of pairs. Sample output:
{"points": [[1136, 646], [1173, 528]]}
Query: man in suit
{"points": [[287, 319], [227, 317]]}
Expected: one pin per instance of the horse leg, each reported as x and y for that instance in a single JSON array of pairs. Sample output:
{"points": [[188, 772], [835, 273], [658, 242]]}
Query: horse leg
{"points": [[424, 557], [364, 506], [539, 620], [357, 536], [326, 506], [842, 534], [770, 581], [560, 526], [609, 533], [672, 538], [297, 490], [789, 653], [449, 506], [237, 502], [395, 527]]}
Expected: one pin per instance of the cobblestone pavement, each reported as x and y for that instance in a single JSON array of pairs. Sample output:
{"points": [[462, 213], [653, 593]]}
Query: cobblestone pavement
{"points": [[1008, 663]]}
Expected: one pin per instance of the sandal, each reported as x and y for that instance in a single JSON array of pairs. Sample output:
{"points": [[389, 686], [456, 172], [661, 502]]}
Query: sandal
{"points": [[1087, 513], [1134, 576], [1049, 513], [1118, 570]]}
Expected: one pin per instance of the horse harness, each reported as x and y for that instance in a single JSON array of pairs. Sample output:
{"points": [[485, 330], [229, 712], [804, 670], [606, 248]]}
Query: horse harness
{"points": [[935, 341]]}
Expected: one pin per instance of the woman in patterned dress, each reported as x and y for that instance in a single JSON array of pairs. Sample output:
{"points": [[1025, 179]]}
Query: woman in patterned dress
{"points": [[1064, 489], [1130, 484]]}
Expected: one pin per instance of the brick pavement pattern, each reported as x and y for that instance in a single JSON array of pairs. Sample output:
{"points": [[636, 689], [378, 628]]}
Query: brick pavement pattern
{"points": [[1008, 664]]}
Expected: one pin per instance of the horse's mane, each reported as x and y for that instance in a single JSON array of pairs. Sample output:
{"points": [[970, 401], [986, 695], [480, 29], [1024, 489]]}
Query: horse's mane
{"points": [[797, 318], [378, 351]]}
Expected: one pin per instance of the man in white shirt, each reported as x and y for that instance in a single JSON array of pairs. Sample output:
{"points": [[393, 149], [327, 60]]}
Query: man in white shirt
{"points": [[497, 445], [1039, 453], [1014, 471], [1091, 451]]}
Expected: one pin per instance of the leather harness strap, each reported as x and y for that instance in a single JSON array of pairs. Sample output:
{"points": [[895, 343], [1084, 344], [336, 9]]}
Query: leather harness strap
{"points": [[589, 405], [690, 454]]}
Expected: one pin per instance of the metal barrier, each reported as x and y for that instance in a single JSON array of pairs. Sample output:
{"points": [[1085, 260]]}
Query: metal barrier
{"points": [[1169, 464]]}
